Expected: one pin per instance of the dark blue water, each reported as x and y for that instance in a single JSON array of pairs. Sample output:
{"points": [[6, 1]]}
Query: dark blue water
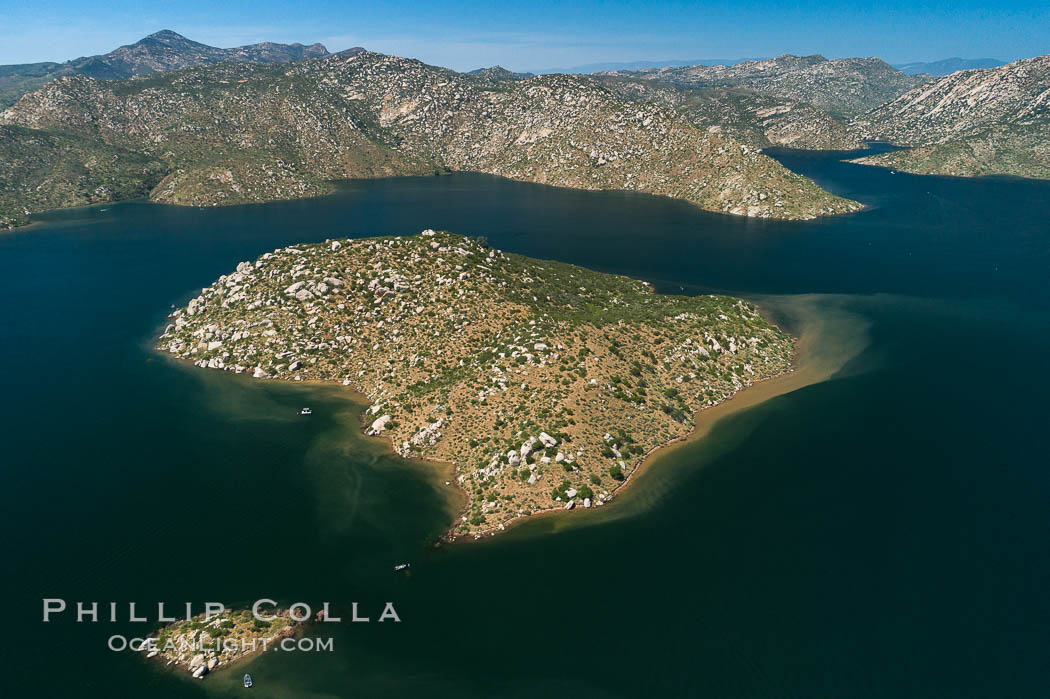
{"points": [[879, 534]]}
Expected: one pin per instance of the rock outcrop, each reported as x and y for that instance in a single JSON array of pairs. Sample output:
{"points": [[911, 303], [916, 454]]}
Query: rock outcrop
{"points": [[204, 644], [975, 122], [755, 119], [843, 87], [964, 104]]}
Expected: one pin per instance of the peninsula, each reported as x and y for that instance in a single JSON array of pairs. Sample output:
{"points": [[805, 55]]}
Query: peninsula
{"points": [[545, 384], [241, 132]]}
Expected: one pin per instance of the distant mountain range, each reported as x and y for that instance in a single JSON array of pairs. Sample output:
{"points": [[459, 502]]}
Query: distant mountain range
{"points": [[588, 68], [162, 51], [934, 68], [498, 73], [948, 66]]}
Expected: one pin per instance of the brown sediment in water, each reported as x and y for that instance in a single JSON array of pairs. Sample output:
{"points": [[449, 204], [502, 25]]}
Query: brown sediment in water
{"points": [[438, 471], [22, 227], [441, 474]]}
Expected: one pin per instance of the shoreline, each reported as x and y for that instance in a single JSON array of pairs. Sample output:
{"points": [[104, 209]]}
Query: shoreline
{"points": [[449, 470], [441, 471], [386, 445], [96, 205], [697, 432], [898, 169], [23, 226], [810, 366], [333, 189], [436, 470]]}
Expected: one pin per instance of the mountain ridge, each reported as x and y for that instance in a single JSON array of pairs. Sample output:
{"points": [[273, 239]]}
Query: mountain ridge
{"points": [[970, 123], [161, 51], [242, 132], [844, 87], [757, 119]]}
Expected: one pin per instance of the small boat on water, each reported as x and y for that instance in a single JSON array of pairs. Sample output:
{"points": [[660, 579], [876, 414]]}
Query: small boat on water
{"points": [[306, 411], [247, 681], [401, 566]]}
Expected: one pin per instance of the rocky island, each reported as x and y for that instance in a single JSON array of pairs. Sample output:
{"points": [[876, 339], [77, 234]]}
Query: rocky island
{"points": [[543, 383], [206, 643]]}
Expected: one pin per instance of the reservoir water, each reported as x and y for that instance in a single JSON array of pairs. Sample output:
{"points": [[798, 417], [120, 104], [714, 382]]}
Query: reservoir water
{"points": [[879, 533]]}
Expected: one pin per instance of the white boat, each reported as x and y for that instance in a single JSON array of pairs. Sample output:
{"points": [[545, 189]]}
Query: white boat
{"points": [[306, 411], [247, 681], [401, 566]]}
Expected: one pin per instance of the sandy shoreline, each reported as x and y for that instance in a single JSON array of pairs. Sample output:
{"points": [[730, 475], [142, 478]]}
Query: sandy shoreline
{"points": [[826, 340]]}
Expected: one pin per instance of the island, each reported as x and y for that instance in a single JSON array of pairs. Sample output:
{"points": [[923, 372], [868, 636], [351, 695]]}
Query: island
{"points": [[544, 384], [206, 643]]}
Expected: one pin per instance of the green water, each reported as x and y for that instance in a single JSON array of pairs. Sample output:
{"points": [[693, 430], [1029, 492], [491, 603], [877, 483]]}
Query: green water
{"points": [[882, 533]]}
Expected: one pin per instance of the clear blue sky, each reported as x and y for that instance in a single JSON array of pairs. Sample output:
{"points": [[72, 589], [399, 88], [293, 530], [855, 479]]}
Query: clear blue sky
{"points": [[464, 34]]}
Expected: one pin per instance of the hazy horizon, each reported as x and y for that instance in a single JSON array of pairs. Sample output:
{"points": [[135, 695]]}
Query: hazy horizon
{"points": [[609, 64], [466, 34]]}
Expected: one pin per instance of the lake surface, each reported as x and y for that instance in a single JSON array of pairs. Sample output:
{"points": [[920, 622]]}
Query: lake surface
{"points": [[883, 533]]}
